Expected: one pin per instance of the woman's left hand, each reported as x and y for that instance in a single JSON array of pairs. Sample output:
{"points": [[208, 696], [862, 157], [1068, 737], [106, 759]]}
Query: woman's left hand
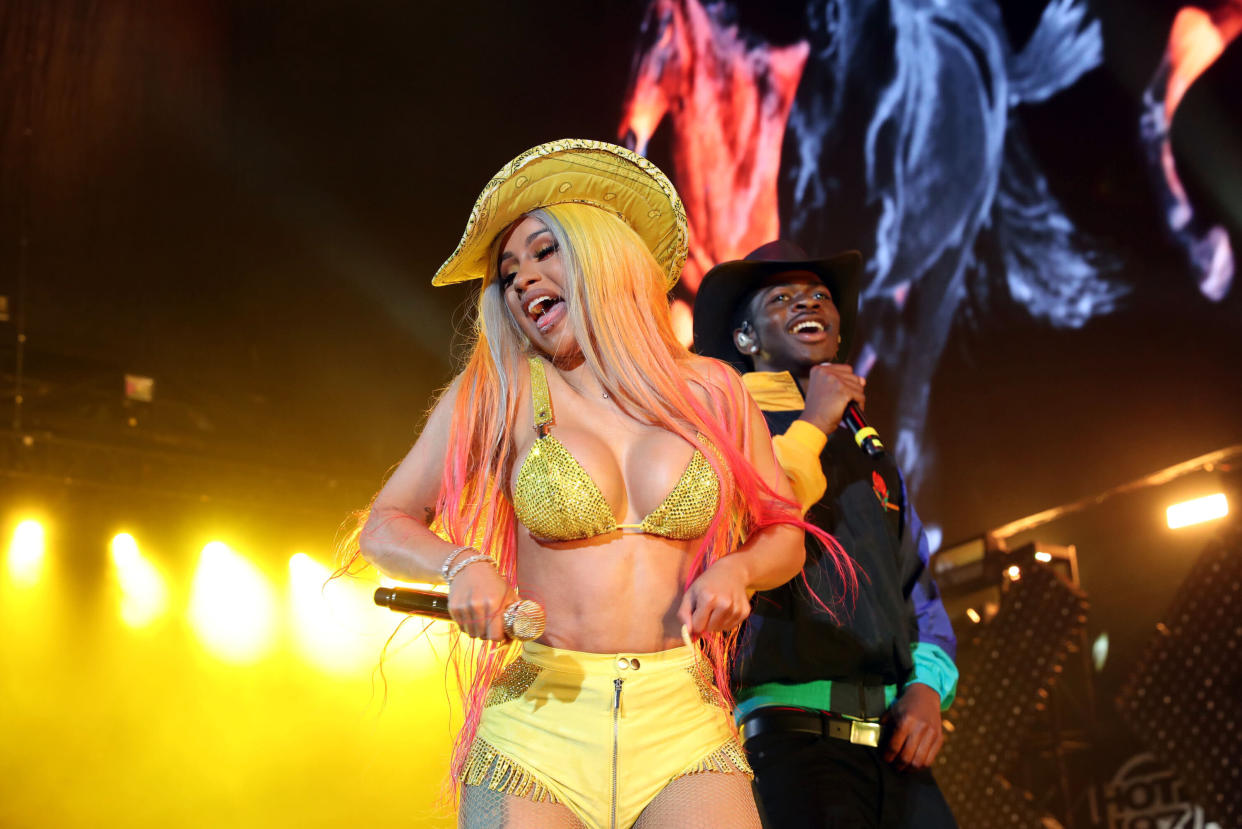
{"points": [[717, 600]]}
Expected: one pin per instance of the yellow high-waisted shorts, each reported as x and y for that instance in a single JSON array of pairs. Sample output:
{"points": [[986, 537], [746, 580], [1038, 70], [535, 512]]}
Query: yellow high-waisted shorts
{"points": [[601, 733]]}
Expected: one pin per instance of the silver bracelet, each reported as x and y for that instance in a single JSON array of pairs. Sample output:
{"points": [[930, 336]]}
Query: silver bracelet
{"points": [[466, 562], [448, 562]]}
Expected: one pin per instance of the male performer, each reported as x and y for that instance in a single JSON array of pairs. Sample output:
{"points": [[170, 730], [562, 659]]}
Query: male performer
{"points": [[841, 717]]}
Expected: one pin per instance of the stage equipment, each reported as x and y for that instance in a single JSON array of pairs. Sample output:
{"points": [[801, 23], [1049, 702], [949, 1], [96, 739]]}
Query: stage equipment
{"points": [[1197, 511], [1003, 723], [1181, 701], [1222, 458], [139, 388], [970, 574]]}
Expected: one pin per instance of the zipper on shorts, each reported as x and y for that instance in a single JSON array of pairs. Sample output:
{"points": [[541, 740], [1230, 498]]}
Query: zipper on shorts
{"points": [[616, 725]]}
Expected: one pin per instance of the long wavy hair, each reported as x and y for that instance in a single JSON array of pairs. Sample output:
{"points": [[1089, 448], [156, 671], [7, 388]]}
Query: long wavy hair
{"points": [[618, 312], [615, 294]]}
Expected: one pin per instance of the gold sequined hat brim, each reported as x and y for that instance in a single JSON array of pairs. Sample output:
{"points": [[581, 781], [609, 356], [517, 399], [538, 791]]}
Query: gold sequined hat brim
{"points": [[574, 170]]}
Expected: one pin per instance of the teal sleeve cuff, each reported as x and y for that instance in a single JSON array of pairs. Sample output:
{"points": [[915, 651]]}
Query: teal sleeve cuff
{"points": [[935, 669]]}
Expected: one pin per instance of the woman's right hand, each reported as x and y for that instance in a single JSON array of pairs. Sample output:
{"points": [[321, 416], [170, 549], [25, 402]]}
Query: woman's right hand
{"points": [[478, 597], [718, 600]]}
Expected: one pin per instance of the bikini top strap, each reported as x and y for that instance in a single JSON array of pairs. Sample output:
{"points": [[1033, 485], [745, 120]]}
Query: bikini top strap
{"points": [[541, 400]]}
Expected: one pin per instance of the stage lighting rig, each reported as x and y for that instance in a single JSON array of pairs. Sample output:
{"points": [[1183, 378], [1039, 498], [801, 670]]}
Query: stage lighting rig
{"points": [[970, 574], [139, 388], [1197, 511], [1010, 664], [1181, 701]]}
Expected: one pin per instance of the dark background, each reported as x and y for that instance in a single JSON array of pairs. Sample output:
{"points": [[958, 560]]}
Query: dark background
{"points": [[246, 201]]}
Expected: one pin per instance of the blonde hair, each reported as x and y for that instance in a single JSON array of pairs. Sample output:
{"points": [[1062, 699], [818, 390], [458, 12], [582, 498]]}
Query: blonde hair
{"points": [[615, 293]]}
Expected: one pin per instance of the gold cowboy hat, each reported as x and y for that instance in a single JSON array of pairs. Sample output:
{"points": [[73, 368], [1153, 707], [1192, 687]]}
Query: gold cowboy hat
{"points": [[574, 170]]}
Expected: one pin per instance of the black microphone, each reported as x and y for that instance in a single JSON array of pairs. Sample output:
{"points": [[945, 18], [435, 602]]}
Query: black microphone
{"points": [[867, 438], [523, 620], [419, 602]]}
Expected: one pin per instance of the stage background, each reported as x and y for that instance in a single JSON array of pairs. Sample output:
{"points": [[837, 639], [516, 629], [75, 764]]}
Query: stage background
{"points": [[245, 201]]}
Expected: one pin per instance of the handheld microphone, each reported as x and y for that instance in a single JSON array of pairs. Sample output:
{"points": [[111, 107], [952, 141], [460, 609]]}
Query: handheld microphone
{"points": [[524, 619], [867, 438], [427, 603]]}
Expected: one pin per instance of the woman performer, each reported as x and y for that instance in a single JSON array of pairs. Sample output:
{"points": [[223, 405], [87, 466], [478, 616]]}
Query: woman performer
{"points": [[586, 460]]}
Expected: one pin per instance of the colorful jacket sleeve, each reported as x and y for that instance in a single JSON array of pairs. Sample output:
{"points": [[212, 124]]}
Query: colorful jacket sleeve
{"points": [[933, 645], [797, 451]]}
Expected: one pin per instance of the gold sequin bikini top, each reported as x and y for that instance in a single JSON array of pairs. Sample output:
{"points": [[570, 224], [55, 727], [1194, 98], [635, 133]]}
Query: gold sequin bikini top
{"points": [[557, 500]]}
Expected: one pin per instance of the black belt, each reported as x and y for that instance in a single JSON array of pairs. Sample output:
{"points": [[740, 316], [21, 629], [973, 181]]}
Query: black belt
{"points": [[798, 720]]}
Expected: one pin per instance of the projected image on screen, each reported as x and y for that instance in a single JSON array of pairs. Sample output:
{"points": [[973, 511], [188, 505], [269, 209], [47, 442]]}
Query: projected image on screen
{"points": [[898, 141], [891, 126], [1197, 39]]}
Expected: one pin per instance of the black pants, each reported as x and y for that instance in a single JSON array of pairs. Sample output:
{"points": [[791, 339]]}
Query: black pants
{"points": [[803, 780]]}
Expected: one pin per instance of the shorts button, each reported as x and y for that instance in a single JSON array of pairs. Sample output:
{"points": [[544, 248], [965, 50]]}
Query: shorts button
{"points": [[634, 664], [623, 663]]}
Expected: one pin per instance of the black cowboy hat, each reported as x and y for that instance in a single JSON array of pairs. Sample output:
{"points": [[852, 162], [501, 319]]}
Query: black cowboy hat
{"points": [[729, 284]]}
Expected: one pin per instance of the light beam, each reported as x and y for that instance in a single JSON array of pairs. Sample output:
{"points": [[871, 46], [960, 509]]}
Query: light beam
{"points": [[231, 606], [26, 554], [144, 594]]}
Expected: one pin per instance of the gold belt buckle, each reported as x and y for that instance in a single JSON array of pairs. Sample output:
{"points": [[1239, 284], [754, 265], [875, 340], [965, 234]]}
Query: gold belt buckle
{"points": [[865, 733]]}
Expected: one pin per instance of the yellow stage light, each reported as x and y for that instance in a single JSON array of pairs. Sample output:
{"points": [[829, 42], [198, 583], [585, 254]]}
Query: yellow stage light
{"points": [[335, 623], [338, 627], [1044, 557], [1014, 572], [231, 605], [974, 615], [144, 595], [26, 554], [1207, 508]]}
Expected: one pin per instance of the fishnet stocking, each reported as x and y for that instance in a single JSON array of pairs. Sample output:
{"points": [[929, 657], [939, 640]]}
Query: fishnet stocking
{"points": [[708, 800], [482, 808]]}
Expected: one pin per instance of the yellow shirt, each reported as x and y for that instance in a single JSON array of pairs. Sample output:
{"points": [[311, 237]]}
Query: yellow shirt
{"points": [[797, 450]]}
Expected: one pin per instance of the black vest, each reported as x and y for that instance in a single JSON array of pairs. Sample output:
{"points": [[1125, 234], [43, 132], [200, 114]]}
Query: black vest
{"points": [[789, 637]]}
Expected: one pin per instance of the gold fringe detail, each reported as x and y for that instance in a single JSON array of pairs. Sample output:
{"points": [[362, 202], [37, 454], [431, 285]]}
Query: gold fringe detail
{"points": [[728, 759], [701, 673], [513, 682], [486, 766]]}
